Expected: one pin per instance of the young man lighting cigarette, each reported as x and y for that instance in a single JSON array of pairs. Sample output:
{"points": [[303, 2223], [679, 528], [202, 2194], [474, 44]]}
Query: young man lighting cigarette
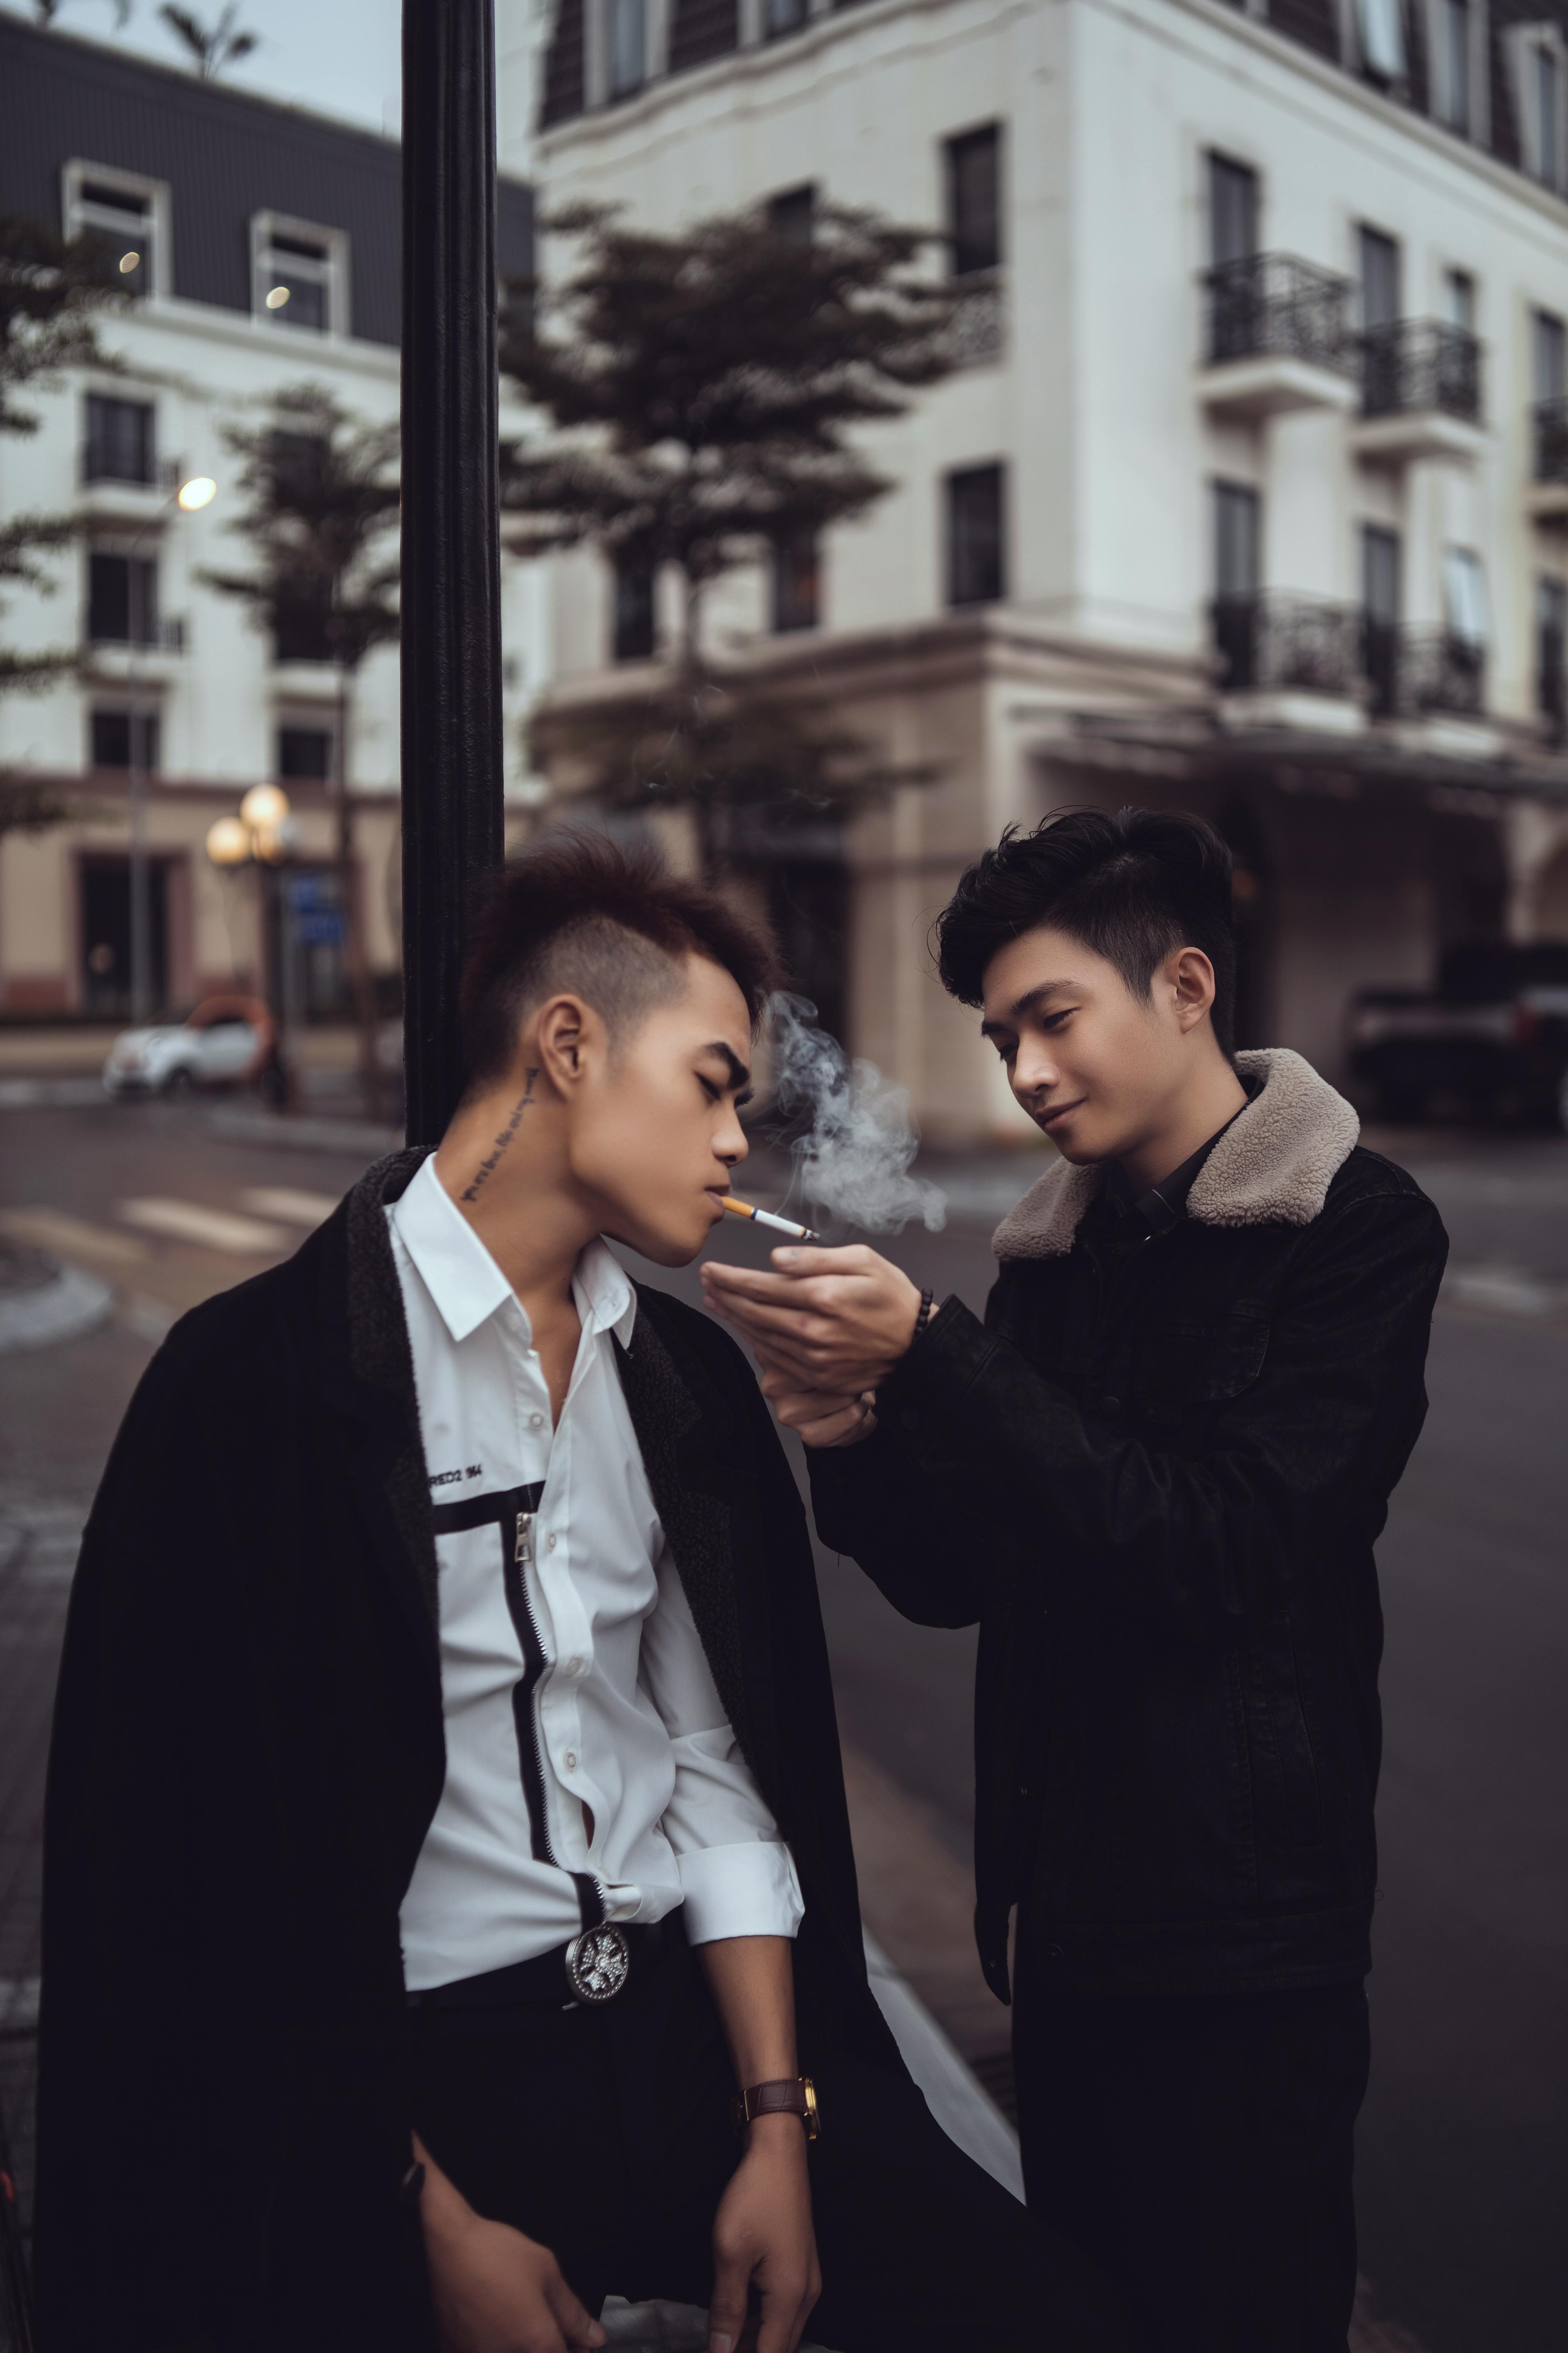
{"points": [[445, 1823], [1154, 1475]]}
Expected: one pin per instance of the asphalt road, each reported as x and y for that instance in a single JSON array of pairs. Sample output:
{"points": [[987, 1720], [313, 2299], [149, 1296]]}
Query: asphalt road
{"points": [[1463, 2165]]}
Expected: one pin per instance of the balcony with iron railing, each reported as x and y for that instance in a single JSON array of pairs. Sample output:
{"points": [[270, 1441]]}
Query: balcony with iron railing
{"points": [[1421, 392], [976, 337], [1279, 647], [1277, 337], [1441, 675], [1547, 496], [1422, 673], [1279, 644]]}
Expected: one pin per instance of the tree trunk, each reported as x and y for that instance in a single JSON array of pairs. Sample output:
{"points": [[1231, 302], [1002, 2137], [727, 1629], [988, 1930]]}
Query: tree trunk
{"points": [[361, 985], [691, 679]]}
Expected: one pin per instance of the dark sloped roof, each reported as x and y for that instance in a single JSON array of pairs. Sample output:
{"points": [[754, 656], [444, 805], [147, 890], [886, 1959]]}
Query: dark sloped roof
{"points": [[225, 155]]}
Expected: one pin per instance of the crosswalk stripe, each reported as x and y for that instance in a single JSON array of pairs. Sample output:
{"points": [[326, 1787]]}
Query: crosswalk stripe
{"points": [[57, 1229], [189, 1221], [289, 1203]]}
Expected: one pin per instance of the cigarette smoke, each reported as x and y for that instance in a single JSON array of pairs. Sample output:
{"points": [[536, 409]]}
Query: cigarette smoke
{"points": [[853, 1161]]}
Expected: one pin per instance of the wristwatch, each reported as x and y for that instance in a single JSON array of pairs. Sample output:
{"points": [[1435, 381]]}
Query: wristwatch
{"points": [[794, 2095]]}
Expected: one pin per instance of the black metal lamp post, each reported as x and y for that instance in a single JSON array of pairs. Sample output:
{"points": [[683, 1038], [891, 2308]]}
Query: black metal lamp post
{"points": [[451, 535]]}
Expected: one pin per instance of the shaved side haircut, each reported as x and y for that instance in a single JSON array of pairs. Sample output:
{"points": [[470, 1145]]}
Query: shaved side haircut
{"points": [[612, 925]]}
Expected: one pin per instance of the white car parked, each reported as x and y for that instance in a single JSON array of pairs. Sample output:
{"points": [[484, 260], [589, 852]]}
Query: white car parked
{"points": [[227, 1041]]}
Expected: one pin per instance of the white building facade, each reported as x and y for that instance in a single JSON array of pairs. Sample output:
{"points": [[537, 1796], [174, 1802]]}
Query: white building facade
{"points": [[1250, 496], [260, 249]]}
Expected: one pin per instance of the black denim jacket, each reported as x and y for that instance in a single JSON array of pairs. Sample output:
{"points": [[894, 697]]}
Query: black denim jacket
{"points": [[1155, 1477]]}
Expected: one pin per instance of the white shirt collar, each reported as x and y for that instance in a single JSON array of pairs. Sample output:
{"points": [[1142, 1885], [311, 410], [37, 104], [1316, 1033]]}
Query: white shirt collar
{"points": [[466, 1284]]}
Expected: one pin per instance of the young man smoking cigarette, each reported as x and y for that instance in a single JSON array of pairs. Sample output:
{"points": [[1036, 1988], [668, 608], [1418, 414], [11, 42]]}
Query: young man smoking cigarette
{"points": [[1154, 1475], [445, 1824]]}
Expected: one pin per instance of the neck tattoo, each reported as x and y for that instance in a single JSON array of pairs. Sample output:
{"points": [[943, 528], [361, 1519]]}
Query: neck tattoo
{"points": [[482, 1173]]}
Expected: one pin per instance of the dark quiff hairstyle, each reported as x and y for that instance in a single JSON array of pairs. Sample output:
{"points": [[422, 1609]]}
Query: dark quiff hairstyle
{"points": [[581, 913], [1132, 887]]}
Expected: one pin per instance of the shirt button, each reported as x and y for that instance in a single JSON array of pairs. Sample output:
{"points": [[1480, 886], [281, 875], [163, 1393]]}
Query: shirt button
{"points": [[570, 1760], [536, 1421], [574, 1666], [549, 1544]]}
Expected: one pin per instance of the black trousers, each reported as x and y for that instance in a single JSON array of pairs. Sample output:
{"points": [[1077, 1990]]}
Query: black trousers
{"points": [[1198, 2148], [604, 2133]]}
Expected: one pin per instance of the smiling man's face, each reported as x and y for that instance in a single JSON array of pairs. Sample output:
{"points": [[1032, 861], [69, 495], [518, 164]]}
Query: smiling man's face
{"points": [[1098, 1068]]}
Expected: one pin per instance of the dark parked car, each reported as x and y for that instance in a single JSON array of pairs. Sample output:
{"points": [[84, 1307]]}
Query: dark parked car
{"points": [[1490, 1040]]}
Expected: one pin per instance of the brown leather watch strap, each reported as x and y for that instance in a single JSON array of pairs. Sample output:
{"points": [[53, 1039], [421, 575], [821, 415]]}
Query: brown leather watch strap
{"points": [[791, 2096]]}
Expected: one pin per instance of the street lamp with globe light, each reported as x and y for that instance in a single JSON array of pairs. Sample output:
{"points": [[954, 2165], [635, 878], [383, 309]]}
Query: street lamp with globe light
{"points": [[262, 835]]}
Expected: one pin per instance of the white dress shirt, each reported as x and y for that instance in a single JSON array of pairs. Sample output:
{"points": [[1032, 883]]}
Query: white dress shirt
{"points": [[572, 1675]]}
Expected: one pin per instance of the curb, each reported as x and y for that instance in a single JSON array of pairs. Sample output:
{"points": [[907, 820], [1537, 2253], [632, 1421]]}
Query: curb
{"points": [[64, 1306]]}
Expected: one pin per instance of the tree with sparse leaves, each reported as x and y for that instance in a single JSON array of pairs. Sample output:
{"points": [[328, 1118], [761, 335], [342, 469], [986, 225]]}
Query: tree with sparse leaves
{"points": [[45, 11], [212, 47], [322, 498], [51, 287], [704, 390]]}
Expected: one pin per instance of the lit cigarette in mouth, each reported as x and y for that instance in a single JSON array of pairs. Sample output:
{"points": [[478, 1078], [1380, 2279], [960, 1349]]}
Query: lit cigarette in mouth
{"points": [[767, 1217]]}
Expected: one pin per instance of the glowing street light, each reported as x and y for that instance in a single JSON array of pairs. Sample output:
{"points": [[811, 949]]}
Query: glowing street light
{"points": [[265, 808], [229, 841], [277, 296], [198, 492], [128, 262]]}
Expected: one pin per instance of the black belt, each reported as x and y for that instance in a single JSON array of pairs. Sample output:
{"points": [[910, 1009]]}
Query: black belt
{"points": [[594, 1968]]}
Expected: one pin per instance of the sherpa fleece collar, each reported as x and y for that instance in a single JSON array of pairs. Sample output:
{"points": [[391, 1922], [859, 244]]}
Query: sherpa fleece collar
{"points": [[1273, 1164]]}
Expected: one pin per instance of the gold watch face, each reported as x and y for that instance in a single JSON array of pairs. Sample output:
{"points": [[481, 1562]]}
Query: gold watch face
{"points": [[812, 2127]]}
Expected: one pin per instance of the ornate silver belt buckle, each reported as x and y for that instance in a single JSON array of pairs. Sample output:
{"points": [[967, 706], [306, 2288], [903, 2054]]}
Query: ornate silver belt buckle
{"points": [[598, 1964]]}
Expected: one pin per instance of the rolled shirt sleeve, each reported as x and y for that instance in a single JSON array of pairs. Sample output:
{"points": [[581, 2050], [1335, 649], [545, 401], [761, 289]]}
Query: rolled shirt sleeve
{"points": [[737, 1876]]}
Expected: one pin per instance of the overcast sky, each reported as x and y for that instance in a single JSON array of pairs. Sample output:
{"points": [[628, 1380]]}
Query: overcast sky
{"points": [[341, 57]]}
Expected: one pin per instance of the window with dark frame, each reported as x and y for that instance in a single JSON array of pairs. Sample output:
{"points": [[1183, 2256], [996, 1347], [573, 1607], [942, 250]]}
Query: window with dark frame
{"points": [[1380, 296], [796, 582], [632, 616], [119, 445], [782, 17], [1552, 652], [125, 738], [792, 214], [974, 200], [976, 544], [625, 47], [1233, 211], [1237, 570], [1549, 355], [1453, 79], [1547, 103], [122, 599], [304, 753], [1381, 594], [1460, 300]]}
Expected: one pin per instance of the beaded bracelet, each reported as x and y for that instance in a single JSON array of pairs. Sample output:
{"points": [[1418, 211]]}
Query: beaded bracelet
{"points": [[928, 1302]]}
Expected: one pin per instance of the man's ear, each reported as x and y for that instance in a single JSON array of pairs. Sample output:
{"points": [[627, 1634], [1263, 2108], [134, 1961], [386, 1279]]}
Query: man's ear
{"points": [[569, 1036], [1189, 976]]}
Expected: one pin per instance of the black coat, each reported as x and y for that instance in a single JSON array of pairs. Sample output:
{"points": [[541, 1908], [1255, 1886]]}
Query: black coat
{"points": [[249, 1748], [1156, 1478]]}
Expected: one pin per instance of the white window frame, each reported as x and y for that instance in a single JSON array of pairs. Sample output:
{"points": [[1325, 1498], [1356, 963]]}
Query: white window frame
{"points": [[333, 271], [1355, 13], [1464, 612], [1477, 121], [77, 213], [1521, 43], [596, 51]]}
